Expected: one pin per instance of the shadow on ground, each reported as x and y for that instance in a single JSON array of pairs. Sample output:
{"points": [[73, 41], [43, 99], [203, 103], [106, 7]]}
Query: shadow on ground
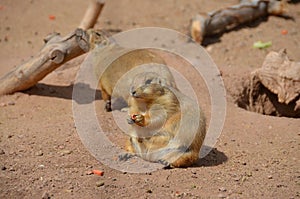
{"points": [[64, 92]]}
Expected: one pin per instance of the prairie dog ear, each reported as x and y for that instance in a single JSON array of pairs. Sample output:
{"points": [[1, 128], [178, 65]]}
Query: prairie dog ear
{"points": [[131, 89], [159, 80], [162, 81]]}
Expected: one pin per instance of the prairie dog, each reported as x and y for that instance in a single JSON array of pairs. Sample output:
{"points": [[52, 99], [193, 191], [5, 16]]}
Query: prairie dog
{"points": [[128, 63], [166, 126]]}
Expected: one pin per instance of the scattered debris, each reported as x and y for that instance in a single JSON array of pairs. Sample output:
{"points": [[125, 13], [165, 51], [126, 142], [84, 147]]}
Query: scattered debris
{"points": [[262, 45], [284, 32], [98, 172], [52, 17]]}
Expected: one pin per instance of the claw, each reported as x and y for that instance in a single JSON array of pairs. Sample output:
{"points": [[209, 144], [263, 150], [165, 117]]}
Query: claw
{"points": [[125, 156], [108, 106], [165, 163], [138, 118], [130, 121]]}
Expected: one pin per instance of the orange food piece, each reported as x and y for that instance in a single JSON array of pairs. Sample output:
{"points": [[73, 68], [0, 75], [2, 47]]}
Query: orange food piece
{"points": [[51, 17], [98, 172], [284, 32]]}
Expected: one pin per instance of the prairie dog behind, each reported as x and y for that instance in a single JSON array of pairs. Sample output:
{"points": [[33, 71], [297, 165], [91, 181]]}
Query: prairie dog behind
{"points": [[124, 68]]}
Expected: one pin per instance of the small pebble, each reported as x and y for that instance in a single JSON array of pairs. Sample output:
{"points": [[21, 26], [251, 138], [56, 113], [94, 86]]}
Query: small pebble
{"points": [[2, 104], [11, 103], [45, 195], [270, 177], [209, 49], [223, 189], [41, 166], [89, 173], [236, 178], [3, 168], [149, 191], [65, 152], [99, 183], [2, 152], [39, 153]]}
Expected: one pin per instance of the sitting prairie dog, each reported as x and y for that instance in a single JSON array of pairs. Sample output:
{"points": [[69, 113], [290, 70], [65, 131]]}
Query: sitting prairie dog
{"points": [[124, 68], [166, 126]]}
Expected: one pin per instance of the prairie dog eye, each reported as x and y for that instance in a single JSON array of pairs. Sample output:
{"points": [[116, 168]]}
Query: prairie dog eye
{"points": [[148, 81]]}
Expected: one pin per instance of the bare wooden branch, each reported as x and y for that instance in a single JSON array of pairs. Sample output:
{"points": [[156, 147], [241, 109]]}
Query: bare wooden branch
{"points": [[226, 19], [56, 52], [91, 15]]}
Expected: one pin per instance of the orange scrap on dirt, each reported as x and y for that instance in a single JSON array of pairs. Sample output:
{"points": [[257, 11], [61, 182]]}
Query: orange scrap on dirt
{"points": [[98, 172]]}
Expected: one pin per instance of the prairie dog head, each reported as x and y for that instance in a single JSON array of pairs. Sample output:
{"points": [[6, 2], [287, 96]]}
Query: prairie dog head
{"points": [[148, 86]]}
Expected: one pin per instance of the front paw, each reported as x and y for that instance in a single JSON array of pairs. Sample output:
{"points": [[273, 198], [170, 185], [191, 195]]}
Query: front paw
{"points": [[125, 156], [137, 118]]}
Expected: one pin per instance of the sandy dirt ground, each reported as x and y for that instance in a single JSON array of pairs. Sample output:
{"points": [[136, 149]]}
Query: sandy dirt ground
{"points": [[41, 155]]}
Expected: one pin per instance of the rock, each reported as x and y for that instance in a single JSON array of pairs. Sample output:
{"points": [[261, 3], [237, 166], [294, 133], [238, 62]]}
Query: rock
{"points": [[237, 178], [2, 152], [41, 166], [3, 104], [99, 183], [223, 189], [46, 195], [149, 191], [65, 152], [11, 103], [39, 153], [89, 173], [270, 177]]}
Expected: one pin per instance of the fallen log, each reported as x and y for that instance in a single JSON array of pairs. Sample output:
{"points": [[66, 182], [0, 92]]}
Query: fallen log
{"points": [[91, 15], [222, 20], [57, 51]]}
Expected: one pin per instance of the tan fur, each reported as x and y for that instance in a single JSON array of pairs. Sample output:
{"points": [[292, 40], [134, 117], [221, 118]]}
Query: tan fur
{"points": [[155, 115], [119, 68]]}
